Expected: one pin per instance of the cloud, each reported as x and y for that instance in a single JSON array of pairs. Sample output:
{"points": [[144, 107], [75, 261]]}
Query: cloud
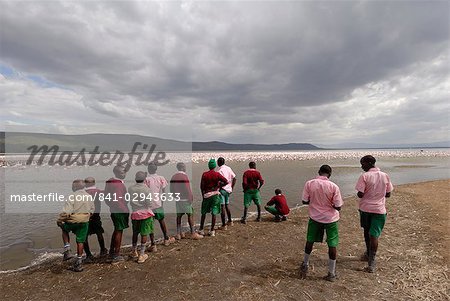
{"points": [[268, 72]]}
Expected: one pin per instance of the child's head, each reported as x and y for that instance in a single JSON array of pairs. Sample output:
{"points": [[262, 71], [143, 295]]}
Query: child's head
{"points": [[252, 165], [325, 170], [220, 161], [367, 162], [278, 191], [119, 172], [89, 182], [152, 168], [140, 176], [212, 164], [77, 184], [181, 166]]}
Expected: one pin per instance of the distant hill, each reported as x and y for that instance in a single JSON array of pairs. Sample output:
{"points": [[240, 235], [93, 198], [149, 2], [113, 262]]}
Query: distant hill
{"points": [[216, 145], [19, 142], [352, 145]]}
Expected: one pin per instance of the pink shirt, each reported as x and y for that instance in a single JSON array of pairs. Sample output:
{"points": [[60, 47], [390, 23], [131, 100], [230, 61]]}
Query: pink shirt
{"points": [[228, 174], [156, 183], [374, 184], [322, 195]]}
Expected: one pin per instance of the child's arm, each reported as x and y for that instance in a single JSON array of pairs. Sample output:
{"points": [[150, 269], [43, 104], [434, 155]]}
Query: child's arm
{"points": [[271, 202]]}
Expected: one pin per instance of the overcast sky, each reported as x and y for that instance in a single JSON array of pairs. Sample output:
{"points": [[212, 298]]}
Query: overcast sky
{"points": [[255, 72]]}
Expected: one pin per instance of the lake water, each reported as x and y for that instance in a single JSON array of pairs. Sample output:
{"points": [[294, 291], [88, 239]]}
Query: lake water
{"points": [[28, 232]]}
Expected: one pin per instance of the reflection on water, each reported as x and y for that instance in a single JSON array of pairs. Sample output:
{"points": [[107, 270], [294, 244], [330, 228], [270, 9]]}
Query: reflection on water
{"points": [[24, 236]]}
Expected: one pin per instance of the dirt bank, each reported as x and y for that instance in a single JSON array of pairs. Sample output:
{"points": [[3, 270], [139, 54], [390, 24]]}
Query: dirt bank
{"points": [[259, 261]]}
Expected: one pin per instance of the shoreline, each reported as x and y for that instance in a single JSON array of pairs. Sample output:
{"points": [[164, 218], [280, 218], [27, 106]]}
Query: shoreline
{"points": [[259, 261]]}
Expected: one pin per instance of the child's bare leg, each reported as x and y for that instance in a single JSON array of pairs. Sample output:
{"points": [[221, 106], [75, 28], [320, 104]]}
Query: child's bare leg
{"points": [[222, 214], [367, 241], [213, 222], [111, 245], [87, 250], [373, 250], [162, 224], [117, 234], [202, 221], [65, 238], [308, 250], [259, 212], [143, 242], [134, 241], [179, 224], [245, 213], [101, 242], [152, 239], [227, 208], [191, 222], [332, 253], [80, 247]]}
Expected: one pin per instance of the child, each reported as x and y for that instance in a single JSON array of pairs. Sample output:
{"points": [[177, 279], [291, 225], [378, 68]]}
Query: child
{"points": [[142, 215], [373, 187], [210, 185], [95, 223], [226, 191], [115, 198], [75, 218], [251, 184], [280, 208], [157, 185], [180, 184], [325, 202]]}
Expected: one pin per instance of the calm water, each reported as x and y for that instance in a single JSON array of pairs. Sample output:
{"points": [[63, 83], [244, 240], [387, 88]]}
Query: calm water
{"points": [[26, 236]]}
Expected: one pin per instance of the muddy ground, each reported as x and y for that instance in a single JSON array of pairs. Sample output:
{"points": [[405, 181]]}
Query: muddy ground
{"points": [[259, 261]]}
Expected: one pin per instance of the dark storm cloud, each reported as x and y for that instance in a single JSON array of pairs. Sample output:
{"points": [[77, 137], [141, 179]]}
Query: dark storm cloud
{"points": [[267, 63]]}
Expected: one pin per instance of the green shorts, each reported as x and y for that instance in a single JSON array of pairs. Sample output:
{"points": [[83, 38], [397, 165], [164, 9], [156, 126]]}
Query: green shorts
{"points": [[143, 226], [316, 231], [95, 227], [212, 204], [159, 213], [184, 207], [79, 229], [372, 221], [225, 197], [273, 210], [120, 221], [252, 195]]}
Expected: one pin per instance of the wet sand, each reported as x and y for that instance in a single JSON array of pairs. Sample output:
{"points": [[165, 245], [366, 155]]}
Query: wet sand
{"points": [[259, 261]]}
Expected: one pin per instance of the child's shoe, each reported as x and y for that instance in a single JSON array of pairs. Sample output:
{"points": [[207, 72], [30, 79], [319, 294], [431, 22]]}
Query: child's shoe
{"points": [[89, 259], [117, 259], [142, 258], [152, 248], [303, 270], [196, 236], [212, 233], [330, 277], [134, 254], [67, 255], [77, 266]]}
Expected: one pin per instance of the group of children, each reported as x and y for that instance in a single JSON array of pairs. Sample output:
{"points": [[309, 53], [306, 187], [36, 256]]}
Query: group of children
{"points": [[322, 196]]}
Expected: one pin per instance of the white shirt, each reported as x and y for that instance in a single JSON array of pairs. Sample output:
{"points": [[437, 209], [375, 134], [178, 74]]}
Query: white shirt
{"points": [[228, 174]]}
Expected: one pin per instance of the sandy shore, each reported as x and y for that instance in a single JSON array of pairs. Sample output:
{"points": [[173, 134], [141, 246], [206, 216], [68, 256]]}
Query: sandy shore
{"points": [[259, 261]]}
